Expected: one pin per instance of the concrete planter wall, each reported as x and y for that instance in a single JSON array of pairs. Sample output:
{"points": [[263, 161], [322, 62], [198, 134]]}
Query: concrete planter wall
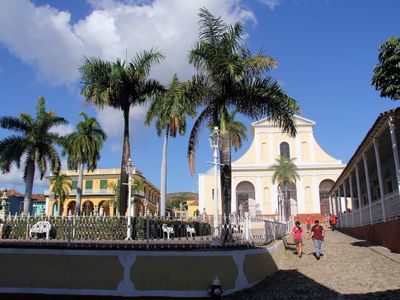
{"points": [[135, 273]]}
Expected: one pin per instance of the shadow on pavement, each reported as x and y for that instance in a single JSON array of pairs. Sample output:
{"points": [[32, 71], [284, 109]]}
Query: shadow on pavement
{"points": [[290, 284], [362, 244]]}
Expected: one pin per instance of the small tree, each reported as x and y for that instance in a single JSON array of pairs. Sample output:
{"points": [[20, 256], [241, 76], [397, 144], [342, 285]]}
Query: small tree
{"points": [[386, 78], [61, 186], [285, 173]]}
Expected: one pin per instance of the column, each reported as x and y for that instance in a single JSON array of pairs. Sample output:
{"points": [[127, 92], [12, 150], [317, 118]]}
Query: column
{"points": [[352, 199], [339, 207], [345, 202], [259, 196], [315, 194], [233, 197], [271, 148], [337, 203], [395, 151], [331, 203], [258, 148], [300, 196], [368, 186], [381, 188], [359, 193]]}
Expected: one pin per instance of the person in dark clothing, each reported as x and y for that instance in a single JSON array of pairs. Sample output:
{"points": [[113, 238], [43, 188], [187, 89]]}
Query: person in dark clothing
{"points": [[317, 236]]}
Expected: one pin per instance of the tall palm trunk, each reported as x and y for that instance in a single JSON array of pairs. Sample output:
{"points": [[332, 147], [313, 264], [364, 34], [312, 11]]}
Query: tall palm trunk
{"points": [[30, 175], [226, 172], [79, 190], [164, 173], [123, 200]]}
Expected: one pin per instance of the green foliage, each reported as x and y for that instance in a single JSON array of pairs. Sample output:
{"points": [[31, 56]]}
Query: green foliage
{"points": [[100, 228], [285, 171], [84, 145], [121, 85], [229, 76], [386, 78]]}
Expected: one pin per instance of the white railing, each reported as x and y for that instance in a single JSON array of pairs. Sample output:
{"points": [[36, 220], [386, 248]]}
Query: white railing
{"points": [[392, 211]]}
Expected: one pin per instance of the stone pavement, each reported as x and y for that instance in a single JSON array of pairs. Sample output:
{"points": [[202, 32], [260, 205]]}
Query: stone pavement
{"points": [[349, 269]]}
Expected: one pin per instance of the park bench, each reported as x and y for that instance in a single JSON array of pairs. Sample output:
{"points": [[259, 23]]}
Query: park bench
{"points": [[40, 227], [167, 230], [190, 230]]}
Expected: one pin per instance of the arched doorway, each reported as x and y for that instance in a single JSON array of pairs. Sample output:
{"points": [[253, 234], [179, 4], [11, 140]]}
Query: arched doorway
{"points": [[87, 207], [104, 208], [71, 207], [245, 195], [324, 187]]}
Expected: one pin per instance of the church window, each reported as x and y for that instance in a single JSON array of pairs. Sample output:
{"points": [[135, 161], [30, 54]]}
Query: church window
{"points": [[284, 150]]}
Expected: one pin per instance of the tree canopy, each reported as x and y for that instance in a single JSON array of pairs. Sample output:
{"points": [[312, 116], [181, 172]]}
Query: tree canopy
{"points": [[386, 78]]}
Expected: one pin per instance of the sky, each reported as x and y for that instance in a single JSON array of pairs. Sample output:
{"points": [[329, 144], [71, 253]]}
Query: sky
{"points": [[326, 51]]}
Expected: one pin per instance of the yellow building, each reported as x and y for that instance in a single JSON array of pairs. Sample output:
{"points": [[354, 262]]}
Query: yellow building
{"points": [[98, 194], [252, 188]]}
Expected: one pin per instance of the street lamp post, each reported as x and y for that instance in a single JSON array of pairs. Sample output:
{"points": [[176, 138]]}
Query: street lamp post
{"points": [[215, 141], [130, 170]]}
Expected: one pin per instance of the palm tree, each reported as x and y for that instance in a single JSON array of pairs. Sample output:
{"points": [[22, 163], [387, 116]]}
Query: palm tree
{"points": [[229, 76], [35, 145], [169, 109], [120, 85], [83, 147], [237, 130], [61, 186], [285, 173]]}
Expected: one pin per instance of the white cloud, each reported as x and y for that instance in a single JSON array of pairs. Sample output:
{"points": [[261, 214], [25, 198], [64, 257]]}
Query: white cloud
{"points": [[272, 3], [112, 120], [14, 179], [45, 37], [62, 129]]}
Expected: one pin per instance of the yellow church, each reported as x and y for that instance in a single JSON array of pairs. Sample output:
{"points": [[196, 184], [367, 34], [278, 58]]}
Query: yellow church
{"points": [[252, 188], [99, 194]]}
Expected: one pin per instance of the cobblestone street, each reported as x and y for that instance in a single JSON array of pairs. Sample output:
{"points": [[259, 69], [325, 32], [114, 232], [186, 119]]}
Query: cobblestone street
{"points": [[349, 269]]}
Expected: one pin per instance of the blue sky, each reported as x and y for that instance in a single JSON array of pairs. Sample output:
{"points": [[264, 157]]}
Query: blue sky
{"points": [[326, 51]]}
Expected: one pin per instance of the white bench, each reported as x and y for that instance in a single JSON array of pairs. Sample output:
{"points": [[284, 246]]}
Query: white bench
{"points": [[190, 230], [167, 230], [40, 227]]}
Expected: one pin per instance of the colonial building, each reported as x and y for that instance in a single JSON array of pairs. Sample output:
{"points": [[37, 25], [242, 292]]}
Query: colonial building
{"points": [[252, 188], [366, 195], [99, 194]]}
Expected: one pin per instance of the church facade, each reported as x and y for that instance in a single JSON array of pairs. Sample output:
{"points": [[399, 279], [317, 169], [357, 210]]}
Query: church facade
{"points": [[253, 190]]}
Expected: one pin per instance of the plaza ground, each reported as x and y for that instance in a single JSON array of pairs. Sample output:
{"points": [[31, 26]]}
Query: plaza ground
{"points": [[349, 269]]}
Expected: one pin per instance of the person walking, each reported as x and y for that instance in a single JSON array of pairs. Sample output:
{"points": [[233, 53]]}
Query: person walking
{"points": [[298, 237], [317, 232], [308, 224], [332, 221]]}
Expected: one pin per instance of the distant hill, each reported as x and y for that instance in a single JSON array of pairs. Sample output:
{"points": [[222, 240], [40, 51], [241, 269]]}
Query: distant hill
{"points": [[181, 197]]}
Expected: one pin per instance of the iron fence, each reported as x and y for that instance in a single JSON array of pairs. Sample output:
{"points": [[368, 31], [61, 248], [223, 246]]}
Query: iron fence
{"points": [[147, 232]]}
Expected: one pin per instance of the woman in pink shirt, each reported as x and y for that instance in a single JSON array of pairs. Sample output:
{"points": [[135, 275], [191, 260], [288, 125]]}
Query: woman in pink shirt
{"points": [[298, 237]]}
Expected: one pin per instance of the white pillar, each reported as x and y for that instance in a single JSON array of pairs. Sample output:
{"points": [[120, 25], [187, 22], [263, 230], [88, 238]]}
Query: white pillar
{"points": [[368, 186], [315, 194], [340, 207], [300, 196], [381, 188], [359, 193], [233, 197], [337, 203], [345, 201], [258, 148], [395, 151], [271, 149], [352, 199], [259, 195]]}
